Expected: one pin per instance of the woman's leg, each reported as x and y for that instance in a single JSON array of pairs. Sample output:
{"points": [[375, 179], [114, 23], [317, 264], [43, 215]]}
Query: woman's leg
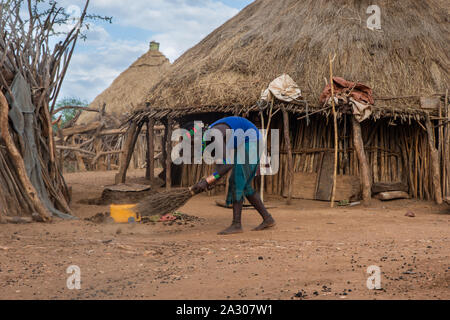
{"points": [[268, 220], [236, 225]]}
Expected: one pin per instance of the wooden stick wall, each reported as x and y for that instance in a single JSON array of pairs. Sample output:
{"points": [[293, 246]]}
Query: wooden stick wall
{"points": [[396, 152]]}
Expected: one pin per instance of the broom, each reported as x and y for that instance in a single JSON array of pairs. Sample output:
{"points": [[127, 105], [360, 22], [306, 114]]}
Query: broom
{"points": [[164, 202]]}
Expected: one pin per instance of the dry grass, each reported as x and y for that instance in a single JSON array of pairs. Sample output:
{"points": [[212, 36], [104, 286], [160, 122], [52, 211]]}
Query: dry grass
{"points": [[231, 66], [130, 88]]}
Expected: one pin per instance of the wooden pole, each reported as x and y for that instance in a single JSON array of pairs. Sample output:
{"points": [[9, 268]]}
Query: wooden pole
{"points": [[364, 171], [441, 150], [150, 172], [147, 153], [434, 161], [128, 148], [80, 161], [168, 147], [164, 144], [98, 165], [287, 139], [61, 152], [447, 147], [261, 191], [266, 136], [336, 138]]}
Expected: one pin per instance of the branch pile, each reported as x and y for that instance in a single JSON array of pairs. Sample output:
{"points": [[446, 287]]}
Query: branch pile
{"points": [[31, 75]]}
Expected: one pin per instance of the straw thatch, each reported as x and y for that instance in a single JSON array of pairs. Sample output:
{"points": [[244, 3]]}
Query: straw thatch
{"points": [[231, 66], [130, 88]]}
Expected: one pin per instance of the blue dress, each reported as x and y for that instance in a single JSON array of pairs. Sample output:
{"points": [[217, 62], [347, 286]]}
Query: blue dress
{"points": [[240, 183]]}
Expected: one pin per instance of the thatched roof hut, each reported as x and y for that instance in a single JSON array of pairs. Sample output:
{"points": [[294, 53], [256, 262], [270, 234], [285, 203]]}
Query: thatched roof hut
{"points": [[408, 57], [130, 88], [404, 62]]}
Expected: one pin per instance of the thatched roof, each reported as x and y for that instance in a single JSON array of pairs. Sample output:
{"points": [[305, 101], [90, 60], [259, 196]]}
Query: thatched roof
{"points": [[230, 67], [130, 88]]}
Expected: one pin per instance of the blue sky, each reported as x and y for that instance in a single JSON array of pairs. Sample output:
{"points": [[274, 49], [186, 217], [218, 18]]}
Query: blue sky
{"points": [[111, 48]]}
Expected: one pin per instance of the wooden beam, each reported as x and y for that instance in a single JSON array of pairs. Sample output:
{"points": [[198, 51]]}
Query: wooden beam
{"points": [[98, 145], [435, 168], [168, 147], [287, 140], [336, 136], [447, 147], [112, 132], [163, 144], [80, 161], [366, 185], [75, 108], [441, 149], [128, 149], [75, 149], [80, 129], [150, 172], [104, 153]]}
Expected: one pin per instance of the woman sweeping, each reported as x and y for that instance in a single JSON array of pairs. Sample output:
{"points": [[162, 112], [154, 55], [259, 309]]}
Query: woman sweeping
{"points": [[244, 168]]}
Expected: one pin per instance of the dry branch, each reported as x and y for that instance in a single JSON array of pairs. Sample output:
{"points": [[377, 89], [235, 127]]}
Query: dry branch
{"points": [[104, 153], [80, 129], [25, 52], [336, 137], [77, 149], [75, 108]]}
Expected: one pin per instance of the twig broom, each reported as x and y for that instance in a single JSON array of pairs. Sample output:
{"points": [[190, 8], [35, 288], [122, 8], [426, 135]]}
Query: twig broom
{"points": [[164, 202]]}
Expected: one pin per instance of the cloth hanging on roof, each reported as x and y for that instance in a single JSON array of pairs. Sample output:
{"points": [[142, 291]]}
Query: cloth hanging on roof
{"points": [[283, 88], [361, 111], [358, 95], [344, 88]]}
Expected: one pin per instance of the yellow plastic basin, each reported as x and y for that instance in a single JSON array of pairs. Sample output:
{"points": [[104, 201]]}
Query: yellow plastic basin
{"points": [[123, 213]]}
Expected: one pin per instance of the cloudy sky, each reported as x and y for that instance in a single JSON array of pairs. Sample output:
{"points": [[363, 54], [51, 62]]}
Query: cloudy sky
{"points": [[111, 48]]}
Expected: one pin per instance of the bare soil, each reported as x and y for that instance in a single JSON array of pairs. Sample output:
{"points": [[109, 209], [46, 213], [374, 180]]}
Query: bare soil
{"points": [[313, 253]]}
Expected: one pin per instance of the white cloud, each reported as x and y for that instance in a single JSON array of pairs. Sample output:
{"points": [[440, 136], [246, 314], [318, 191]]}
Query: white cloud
{"points": [[93, 70], [176, 24]]}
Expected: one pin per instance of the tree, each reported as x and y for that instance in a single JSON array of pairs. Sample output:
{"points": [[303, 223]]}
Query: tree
{"points": [[66, 115]]}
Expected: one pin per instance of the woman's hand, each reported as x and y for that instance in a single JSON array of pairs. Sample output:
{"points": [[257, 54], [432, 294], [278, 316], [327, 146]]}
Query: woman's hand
{"points": [[200, 186]]}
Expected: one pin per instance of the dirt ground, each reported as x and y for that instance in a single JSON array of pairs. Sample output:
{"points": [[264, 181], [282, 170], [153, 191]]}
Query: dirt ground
{"points": [[313, 253]]}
